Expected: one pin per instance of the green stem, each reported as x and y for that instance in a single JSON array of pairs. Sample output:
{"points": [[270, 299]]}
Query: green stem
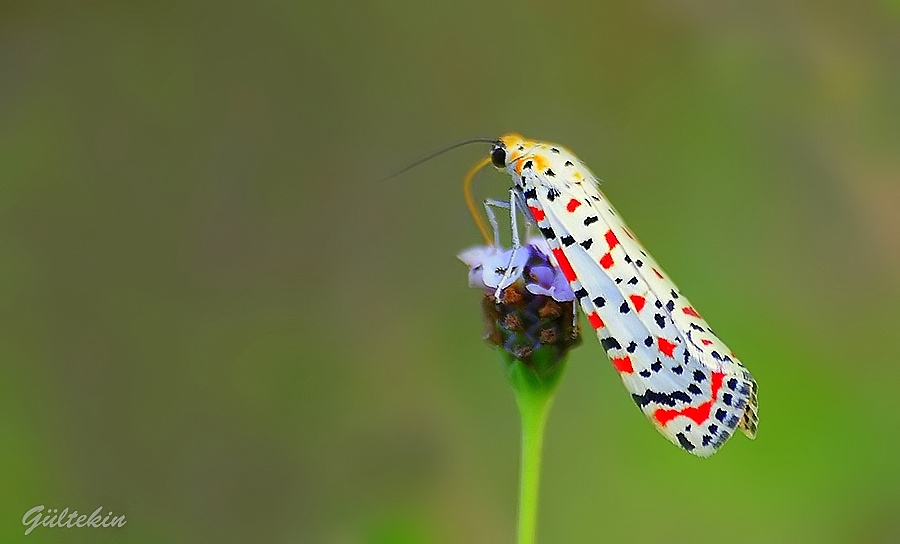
{"points": [[534, 387], [533, 411]]}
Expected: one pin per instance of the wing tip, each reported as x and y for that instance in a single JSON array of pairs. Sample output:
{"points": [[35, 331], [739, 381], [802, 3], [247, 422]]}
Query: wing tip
{"points": [[750, 419]]}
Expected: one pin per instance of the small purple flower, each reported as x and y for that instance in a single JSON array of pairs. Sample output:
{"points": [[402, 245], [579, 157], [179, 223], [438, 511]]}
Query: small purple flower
{"points": [[530, 264], [533, 308]]}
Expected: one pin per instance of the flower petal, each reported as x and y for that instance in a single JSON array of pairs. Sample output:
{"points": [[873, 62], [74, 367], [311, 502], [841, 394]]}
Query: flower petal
{"points": [[475, 255], [562, 292], [542, 275], [536, 289], [495, 268], [540, 243]]}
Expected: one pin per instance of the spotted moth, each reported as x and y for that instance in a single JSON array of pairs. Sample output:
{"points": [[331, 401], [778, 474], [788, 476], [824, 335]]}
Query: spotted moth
{"points": [[679, 373]]}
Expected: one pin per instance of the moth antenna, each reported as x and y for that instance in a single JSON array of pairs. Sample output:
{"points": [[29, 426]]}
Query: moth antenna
{"points": [[435, 153]]}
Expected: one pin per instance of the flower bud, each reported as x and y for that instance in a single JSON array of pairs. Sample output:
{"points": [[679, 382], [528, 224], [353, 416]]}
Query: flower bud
{"points": [[529, 312]]}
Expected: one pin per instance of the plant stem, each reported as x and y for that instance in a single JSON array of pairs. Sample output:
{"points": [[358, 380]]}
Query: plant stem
{"points": [[534, 387], [533, 410]]}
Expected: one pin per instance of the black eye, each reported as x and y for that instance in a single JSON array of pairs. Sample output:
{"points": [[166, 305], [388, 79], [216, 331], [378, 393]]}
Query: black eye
{"points": [[498, 157]]}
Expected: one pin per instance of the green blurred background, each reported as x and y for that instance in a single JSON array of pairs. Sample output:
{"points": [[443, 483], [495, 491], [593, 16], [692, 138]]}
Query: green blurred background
{"points": [[214, 322]]}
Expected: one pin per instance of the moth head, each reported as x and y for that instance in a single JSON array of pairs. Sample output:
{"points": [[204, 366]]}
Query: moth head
{"points": [[509, 148]]}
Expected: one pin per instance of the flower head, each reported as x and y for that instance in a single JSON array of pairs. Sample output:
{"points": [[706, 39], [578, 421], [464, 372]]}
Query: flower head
{"points": [[528, 309]]}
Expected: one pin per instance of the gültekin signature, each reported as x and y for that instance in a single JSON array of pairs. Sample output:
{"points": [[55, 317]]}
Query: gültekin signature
{"points": [[54, 517]]}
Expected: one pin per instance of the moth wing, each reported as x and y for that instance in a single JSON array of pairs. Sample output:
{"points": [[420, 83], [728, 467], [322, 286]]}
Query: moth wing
{"points": [[692, 397]]}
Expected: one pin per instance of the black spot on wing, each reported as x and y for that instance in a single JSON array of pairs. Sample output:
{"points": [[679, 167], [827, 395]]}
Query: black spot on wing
{"points": [[599, 302], [609, 343], [685, 443], [567, 240], [590, 219], [547, 233], [587, 243], [665, 399]]}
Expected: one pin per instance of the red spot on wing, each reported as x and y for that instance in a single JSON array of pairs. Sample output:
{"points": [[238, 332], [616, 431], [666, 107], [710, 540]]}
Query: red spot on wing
{"points": [[595, 320], [572, 205], [665, 346], [611, 239], [606, 261], [564, 264], [623, 364], [705, 342], [698, 413], [537, 213], [690, 311], [658, 275], [637, 301]]}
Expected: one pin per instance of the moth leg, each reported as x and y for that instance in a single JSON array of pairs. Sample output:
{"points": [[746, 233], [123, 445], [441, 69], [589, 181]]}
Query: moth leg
{"points": [[513, 201], [489, 205], [514, 227], [575, 329]]}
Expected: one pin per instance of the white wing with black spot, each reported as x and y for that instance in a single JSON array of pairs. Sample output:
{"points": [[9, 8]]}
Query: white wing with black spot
{"points": [[683, 377]]}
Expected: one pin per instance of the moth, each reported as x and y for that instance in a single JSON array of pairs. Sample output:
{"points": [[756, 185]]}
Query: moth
{"points": [[687, 382]]}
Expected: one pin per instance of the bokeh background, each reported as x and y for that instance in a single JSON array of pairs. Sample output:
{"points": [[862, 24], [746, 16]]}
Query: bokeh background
{"points": [[214, 321]]}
